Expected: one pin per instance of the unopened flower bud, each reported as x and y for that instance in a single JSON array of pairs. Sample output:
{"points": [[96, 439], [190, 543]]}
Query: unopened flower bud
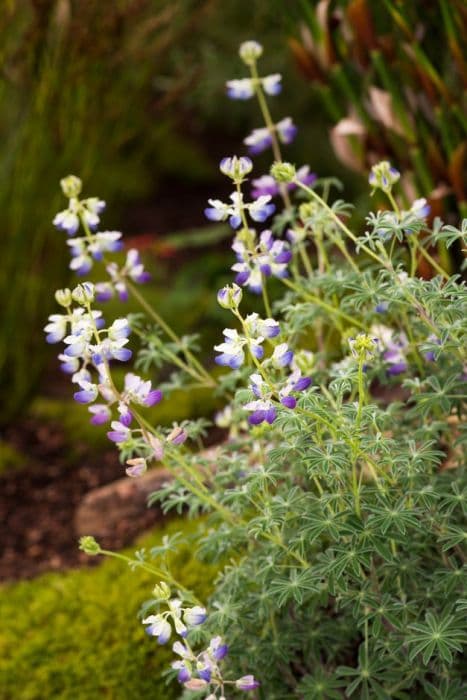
{"points": [[236, 168], [156, 446], [136, 467], [383, 176], [247, 683], [161, 591], [363, 346], [84, 293], [283, 172], [177, 436], [307, 210], [63, 297], [229, 297], [89, 545], [71, 186], [250, 51]]}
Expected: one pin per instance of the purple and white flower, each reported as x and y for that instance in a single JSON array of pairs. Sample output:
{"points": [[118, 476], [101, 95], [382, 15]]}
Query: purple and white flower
{"points": [[269, 257], [286, 130], [86, 210], [241, 89], [101, 413], [231, 350], [195, 616], [282, 356], [295, 383], [136, 467], [420, 208], [265, 328], [271, 84], [394, 347], [261, 411], [88, 392], [218, 649], [258, 141], [177, 435], [121, 430], [158, 626], [133, 269], [247, 683], [259, 209], [137, 390]]}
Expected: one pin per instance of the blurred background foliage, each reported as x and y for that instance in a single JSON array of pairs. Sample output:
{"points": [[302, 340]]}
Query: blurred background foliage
{"points": [[129, 95], [392, 78]]}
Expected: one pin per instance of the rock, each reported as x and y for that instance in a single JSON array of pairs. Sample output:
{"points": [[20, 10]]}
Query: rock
{"points": [[114, 514]]}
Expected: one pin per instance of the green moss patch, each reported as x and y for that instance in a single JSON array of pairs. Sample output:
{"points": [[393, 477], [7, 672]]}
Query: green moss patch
{"points": [[76, 635]]}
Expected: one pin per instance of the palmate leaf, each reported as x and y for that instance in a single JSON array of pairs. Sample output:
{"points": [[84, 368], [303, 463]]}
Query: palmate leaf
{"points": [[367, 677], [319, 522], [438, 636], [452, 536], [320, 686], [334, 562], [446, 690], [395, 516], [457, 499], [297, 586]]}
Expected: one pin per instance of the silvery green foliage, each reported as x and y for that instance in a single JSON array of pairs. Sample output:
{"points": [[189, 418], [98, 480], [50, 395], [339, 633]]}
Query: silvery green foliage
{"points": [[335, 507]]}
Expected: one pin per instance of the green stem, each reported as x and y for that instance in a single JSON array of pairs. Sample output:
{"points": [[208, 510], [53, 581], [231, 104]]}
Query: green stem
{"points": [[358, 419], [163, 575], [319, 302], [200, 370], [263, 105], [339, 222], [305, 259], [264, 290]]}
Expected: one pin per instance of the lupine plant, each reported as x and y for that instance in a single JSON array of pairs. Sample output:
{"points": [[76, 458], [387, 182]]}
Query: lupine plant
{"points": [[334, 508]]}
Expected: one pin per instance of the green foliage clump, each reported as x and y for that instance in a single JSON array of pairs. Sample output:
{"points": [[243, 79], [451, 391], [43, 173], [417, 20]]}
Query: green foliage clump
{"points": [[76, 635]]}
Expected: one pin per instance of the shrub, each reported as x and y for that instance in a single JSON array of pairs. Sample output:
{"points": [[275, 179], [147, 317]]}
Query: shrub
{"points": [[336, 504]]}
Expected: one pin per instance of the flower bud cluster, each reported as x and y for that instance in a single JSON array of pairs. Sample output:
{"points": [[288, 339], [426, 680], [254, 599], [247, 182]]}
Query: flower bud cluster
{"points": [[383, 176], [198, 670], [84, 211], [94, 245], [90, 346]]}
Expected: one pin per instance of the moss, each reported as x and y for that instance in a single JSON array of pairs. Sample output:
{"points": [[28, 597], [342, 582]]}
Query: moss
{"points": [[73, 417], [10, 458], [76, 636]]}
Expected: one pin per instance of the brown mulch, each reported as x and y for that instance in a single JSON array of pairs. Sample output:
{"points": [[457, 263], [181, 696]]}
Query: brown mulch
{"points": [[38, 501]]}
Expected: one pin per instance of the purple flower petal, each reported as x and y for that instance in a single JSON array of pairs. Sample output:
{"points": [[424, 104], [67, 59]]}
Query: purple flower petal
{"points": [[153, 397], [289, 401]]}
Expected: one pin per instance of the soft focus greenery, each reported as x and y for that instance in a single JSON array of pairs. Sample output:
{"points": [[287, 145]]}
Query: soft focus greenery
{"points": [[75, 636]]}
